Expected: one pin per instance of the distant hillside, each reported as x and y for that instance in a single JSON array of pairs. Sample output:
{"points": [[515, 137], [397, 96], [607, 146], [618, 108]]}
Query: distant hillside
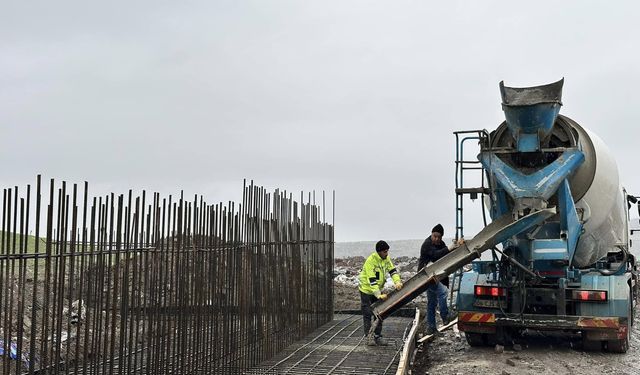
{"points": [[31, 243], [410, 248]]}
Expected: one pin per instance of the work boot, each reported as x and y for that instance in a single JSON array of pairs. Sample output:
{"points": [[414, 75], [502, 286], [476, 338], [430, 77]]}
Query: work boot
{"points": [[449, 319], [380, 341], [431, 331], [371, 341]]}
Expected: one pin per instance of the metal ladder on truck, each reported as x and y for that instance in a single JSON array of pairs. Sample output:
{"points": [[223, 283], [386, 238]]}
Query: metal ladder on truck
{"points": [[499, 230], [463, 165]]}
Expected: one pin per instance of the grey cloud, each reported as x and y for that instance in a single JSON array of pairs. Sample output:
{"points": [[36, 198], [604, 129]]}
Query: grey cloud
{"points": [[361, 96]]}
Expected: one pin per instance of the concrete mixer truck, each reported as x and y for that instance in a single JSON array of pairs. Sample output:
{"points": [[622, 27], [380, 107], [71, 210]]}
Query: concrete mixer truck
{"points": [[558, 236]]}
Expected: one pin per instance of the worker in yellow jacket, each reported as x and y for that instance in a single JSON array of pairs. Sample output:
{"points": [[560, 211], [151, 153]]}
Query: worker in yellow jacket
{"points": [[372, 279]]}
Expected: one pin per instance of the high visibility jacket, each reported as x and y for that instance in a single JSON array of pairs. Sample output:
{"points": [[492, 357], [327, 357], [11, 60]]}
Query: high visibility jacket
{"points": [[373, 274]]}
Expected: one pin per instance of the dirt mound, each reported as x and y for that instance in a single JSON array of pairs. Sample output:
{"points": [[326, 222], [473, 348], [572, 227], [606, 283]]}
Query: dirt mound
{"points": [[345, 281]]}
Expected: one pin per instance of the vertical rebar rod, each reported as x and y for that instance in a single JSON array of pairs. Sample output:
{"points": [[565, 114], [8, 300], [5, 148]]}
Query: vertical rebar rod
{"points": [[123, 285]]}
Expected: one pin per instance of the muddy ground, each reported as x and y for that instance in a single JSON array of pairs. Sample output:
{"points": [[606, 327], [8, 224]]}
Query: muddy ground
{"points": [[540, 354]]}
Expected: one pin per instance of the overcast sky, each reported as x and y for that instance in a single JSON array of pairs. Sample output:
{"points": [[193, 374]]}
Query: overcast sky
{"points": [[360, 97]]}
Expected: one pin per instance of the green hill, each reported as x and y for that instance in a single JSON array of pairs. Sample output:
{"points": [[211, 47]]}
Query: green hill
{"points": [[31, 243]]}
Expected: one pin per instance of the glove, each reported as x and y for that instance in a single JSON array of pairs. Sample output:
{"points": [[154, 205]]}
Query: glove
{"points": [[383, 297], [398, 285], [455, 244]]}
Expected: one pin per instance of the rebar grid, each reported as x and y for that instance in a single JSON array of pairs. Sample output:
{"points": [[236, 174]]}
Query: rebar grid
{"points": [[124, 284], [339, 347]]}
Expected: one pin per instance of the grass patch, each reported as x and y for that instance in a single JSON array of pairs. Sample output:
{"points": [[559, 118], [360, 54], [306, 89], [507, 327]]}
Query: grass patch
{"points": [[6, 247]]}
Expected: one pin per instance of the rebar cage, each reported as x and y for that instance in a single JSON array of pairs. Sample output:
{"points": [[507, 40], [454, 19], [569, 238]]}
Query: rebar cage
{"points": [[156, 285]]}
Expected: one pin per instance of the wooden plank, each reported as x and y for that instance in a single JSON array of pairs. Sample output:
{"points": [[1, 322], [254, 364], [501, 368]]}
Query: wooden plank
{"points": [[409, 345], [443, 328]]}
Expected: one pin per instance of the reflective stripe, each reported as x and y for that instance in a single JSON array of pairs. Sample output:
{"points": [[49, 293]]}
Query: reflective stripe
{"points": [[599, 322], [392, 271], [476, 317]]}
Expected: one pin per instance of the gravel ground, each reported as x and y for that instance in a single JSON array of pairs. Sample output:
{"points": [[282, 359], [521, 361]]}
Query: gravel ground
{"points": [[541, 354]]}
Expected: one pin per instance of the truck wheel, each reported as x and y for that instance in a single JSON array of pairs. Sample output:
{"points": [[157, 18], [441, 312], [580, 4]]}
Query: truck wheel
{"points": [[491, 339], [474, 339], [591, 345], [621, 346], [618, 346], [632, 310]]}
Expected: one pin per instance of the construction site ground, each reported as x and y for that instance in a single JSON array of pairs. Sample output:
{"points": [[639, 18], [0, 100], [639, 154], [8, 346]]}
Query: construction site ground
{"points": [[340, 347], [540, 354]]}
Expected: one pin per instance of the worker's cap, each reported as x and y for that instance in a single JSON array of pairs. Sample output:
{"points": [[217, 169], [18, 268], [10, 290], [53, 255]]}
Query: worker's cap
{"points": [[439, 229], [382, 246]]}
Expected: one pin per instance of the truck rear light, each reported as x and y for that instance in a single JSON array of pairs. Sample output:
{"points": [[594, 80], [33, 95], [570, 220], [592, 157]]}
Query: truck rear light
{"points": [[589, 295], [489, 291]]}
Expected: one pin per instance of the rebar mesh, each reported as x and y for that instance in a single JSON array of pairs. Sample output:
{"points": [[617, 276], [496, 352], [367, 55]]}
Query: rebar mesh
{"points": [[339, 347], [144, 284]]}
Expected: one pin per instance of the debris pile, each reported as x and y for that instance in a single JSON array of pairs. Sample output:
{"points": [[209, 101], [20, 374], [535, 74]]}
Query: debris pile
{"points": [[345, 280]]}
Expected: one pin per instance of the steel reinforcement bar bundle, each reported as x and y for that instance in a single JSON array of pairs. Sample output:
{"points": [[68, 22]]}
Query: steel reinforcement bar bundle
{"points": [[124, 284]]}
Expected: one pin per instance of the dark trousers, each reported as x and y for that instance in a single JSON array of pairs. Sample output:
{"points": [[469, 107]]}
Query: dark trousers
{"points": [[365, 304]]}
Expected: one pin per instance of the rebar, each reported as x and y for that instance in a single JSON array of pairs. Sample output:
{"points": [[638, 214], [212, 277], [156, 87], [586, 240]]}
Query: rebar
{"points": [[125, 284], [339, 347]]}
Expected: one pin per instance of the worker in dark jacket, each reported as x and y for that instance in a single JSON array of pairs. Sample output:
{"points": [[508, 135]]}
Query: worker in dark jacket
{"points": [[432, 249]]}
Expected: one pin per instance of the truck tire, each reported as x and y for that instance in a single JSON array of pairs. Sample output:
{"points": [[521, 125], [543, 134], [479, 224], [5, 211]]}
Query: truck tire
{"points": [[474, 339], [632, 305], [491, 339], [618, 346], [622, 345], [591, 345]]}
